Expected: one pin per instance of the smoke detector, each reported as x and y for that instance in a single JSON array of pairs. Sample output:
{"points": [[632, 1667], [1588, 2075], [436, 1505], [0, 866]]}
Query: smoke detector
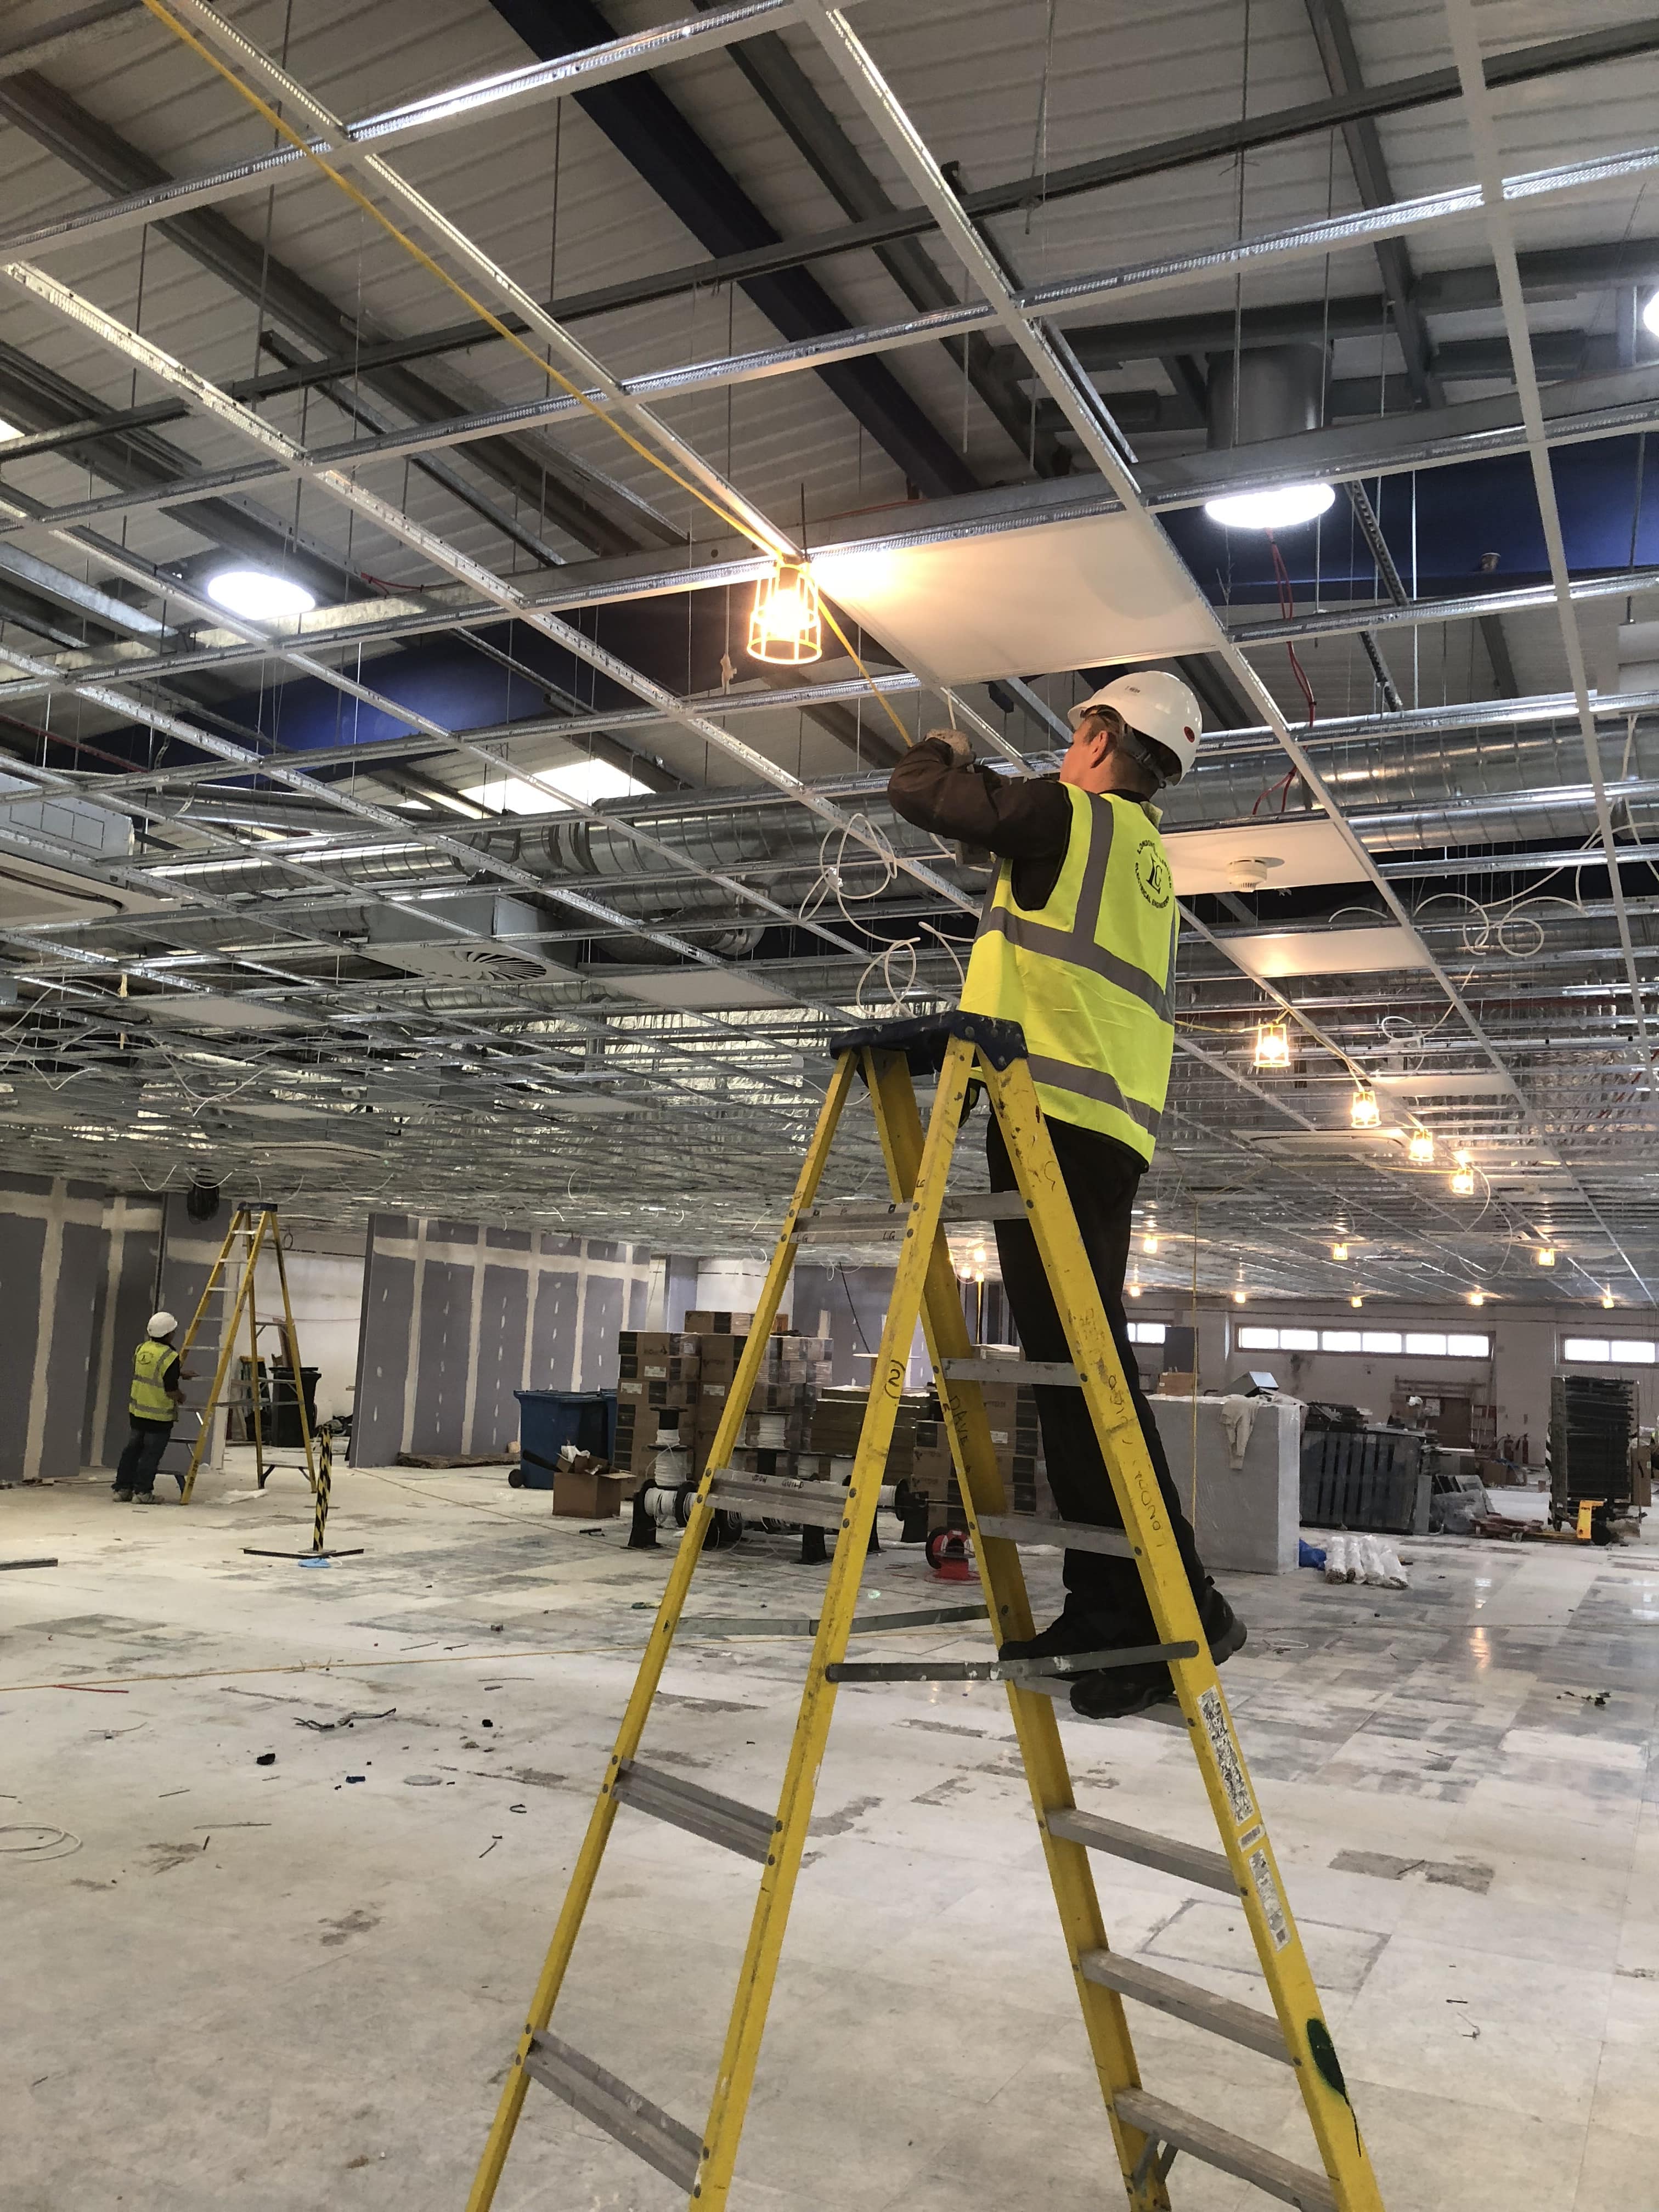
{"points": [[1251, 869]]}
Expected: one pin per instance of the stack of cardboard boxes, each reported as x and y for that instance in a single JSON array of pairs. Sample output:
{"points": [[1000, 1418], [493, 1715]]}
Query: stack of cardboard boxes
{"points": [[836, 1420], [1010, 1412], [675, 1384]]}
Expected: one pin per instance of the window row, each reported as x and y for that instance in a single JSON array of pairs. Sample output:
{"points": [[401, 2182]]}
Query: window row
{"points": [[1413, 1344], [1147, 1332], [1621, 1351]]}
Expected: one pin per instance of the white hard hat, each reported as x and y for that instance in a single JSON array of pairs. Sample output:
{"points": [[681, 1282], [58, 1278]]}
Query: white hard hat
{"points": [[161, 1324], [1156, 705]]}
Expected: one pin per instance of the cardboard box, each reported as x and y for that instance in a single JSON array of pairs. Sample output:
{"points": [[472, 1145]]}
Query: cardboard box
{"points": [[655, 1344], [707, 1323], [719, 1355], [658, 1367], [587, 1497], [665, 1397], [1172, 1383]]}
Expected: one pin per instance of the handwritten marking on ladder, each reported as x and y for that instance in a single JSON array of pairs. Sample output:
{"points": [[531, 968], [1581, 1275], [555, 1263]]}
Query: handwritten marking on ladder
{"points": [[1213, 1715]]}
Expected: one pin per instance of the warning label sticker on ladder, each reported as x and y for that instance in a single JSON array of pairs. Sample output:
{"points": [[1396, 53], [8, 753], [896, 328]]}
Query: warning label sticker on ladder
{"points": [[1273, 1905], [1214, 1717]]}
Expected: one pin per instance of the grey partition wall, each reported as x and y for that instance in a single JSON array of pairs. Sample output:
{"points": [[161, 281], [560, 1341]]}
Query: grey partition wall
{"points": [[459, 1314]]}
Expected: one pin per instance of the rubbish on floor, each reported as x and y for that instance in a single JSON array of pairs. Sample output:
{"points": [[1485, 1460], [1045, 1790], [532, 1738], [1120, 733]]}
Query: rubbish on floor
{"points": [[1307, 1554], [356, 1778], [1361, 1559], [345, 1721], [439, 1460], [11, 1565]]}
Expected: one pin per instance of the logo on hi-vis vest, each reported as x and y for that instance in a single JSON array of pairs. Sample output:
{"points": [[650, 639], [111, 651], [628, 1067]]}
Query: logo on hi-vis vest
{"points": [[1152, 873]]}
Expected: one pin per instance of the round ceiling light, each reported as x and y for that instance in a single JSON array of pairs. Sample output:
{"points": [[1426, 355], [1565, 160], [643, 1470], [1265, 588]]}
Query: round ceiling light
{"points": [[1282, 508], [257, 595]]}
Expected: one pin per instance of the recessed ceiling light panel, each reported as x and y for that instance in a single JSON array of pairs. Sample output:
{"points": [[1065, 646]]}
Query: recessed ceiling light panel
{"points": [[258, 596]]}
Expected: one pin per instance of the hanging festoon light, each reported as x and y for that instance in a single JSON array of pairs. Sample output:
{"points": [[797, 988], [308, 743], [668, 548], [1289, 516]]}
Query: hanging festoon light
{"points": [[1462, 1183], [787, 624], [1356, 1301], [1420, 1149], [1339, 1250], [1607, 1300], [1273, 1044], [1363, 1112], [1149, 1242], [1545, 1255], [1134, 1284], [1477, 1297]]}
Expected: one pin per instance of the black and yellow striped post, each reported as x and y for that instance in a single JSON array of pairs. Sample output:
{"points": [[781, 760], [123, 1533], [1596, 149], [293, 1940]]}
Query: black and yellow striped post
{"points": [[325, 1475], [323, 1444]]}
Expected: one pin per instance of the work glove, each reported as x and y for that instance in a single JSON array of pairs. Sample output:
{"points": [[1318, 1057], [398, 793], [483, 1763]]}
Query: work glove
{"points": [[960, 751]]}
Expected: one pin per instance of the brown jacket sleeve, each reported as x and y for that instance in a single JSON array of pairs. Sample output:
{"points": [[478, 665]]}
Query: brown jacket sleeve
{"points": [[1017, 818]]}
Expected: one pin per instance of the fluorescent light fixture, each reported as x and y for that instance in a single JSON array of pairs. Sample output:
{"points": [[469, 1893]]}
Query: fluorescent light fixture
{"points": [[1650, 314], [1282, 508], [258, 596], [555, 790]]}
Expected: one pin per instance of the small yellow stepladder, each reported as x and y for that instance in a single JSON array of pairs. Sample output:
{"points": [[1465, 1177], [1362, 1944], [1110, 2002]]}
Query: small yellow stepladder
{"points": [[247, 1237], [1148, 2131]]}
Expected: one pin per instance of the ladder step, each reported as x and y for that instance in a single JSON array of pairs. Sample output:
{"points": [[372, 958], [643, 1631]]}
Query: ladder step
{"points": [[1247, 2161], [865, 1214], [717, 1819], [781, 1497], [644, 2128], [1055, 1374], [1028, 1673], [1048, 1528], [1191, 1862], [1198, 2007]]}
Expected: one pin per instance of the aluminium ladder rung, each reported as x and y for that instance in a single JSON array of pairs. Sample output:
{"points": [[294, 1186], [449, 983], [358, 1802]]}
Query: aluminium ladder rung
{"points": [[1055, 1374], [652, 2134], [1189, 1862], [1230, 2154], [1049, 1528], [744, 1829], [865, 1215], [1023, 1674], [1199, 2007], [781, 1497]]}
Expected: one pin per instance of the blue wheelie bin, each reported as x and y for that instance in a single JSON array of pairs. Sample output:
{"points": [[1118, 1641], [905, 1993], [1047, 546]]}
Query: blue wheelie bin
{"points": [[549, 1419]]}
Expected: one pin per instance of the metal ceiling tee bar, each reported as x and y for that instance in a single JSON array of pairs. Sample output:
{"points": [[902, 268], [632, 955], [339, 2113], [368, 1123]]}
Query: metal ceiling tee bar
{"points": [[483, 99], [858, 67], [737, 511], [1483, 138], [217, 404]]}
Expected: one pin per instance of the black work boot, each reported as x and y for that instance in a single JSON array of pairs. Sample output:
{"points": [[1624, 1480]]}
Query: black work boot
{"points": [[1073, 1632], [1114, 1692]]}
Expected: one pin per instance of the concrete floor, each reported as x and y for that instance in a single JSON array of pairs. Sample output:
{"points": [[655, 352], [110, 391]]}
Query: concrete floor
{"points": [[280, 1987]]}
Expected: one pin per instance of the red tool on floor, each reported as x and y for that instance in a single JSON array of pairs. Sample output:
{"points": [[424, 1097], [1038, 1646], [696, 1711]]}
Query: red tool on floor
{"points": [[950, 1555]]}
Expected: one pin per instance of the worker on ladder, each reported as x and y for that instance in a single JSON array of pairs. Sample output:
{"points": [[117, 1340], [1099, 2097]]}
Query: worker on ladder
{"points": [[1077, 944], [152, 1401]]}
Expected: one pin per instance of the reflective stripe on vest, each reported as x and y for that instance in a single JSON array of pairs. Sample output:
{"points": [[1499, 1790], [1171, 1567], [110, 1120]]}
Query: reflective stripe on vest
{"points": [[147, 1400], [1087, 974]]}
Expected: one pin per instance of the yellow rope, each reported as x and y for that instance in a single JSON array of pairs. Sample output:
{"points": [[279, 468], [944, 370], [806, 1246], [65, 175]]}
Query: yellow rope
{"points": [[183, 32]]}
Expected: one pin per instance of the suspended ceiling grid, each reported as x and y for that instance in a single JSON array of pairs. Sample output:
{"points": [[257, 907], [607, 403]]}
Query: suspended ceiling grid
{"points": [[364, 1025]]}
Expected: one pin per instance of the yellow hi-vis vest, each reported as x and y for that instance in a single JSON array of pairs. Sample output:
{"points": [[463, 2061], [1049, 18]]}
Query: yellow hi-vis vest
{"points": [[1087, 977], [147, 1400]]}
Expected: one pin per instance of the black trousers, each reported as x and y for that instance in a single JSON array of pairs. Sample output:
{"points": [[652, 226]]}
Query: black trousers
{"points": [[1101, 1176], [142, 1454]]}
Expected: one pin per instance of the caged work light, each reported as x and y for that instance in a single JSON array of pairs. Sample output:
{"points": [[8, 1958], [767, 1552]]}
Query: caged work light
{"points": [[1363, 1112], [1544, 1255], [1462, 1183], [1421, 1148], [1339, 1251], [1273, 1044], [787, 624]]}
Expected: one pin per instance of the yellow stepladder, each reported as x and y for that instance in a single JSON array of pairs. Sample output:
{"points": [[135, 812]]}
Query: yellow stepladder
{"points": [[247, 1236], [1148, 2130]]}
